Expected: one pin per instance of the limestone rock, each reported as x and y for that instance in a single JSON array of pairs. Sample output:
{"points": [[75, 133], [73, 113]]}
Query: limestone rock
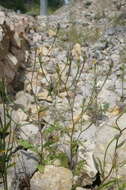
{"points": [[17, 39], [23, 99], [18, 115], [42, 51], [2, 17], [12, 60], [76, 51], [104, 135], [80, 188], [44, 95], [26, 164], [1, 34], [28, 131], [53, 178], [36, 37], [51, 33]]}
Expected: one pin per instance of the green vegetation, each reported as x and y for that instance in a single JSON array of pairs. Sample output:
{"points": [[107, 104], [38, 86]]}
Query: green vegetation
{"points": [[30, 6], [6, 138], [118, 20]]}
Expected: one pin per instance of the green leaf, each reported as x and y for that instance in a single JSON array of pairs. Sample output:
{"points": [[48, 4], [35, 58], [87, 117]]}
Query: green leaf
{"points": [[49, 143], [52, 128], [63, 159], [41, 168], [105, 107], [11, 165], [108, 184], [7, 126], [3, 134], [25, 144], [122, 187]]}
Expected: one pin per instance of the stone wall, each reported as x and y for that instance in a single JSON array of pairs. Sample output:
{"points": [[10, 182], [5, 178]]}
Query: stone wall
{"points": [[13, 44]]}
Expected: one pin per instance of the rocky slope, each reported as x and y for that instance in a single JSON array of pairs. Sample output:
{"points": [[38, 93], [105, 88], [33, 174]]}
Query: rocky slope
{"points": [[66, 73]]}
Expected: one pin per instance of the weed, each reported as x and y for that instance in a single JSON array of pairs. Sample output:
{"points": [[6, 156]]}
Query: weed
{"points": [[6, 137]]}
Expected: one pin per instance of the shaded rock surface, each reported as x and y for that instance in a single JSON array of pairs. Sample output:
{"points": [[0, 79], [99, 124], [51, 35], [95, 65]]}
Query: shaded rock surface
{"points": [[25, 167]]}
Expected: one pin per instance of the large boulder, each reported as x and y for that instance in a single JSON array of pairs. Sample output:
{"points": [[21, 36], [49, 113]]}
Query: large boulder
{"points": [[110, 146], [53, 178]]}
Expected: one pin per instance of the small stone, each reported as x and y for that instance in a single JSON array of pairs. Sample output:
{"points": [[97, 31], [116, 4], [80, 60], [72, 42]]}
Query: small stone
{"points": [[18, 115], [24, 99], [12, 59], [51, 33], [63, 94], [36, 37], [42, 51], [36, 112], [17, 39], [2, 17], [100, 46], [111, 31], [80, 188], [28, 131], [44, 95], [76, 51], [75, 180], [115, 58], [1, 34]]}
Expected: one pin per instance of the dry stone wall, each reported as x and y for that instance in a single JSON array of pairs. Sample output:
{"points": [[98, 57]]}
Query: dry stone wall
{"points": [[13, 44]]}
